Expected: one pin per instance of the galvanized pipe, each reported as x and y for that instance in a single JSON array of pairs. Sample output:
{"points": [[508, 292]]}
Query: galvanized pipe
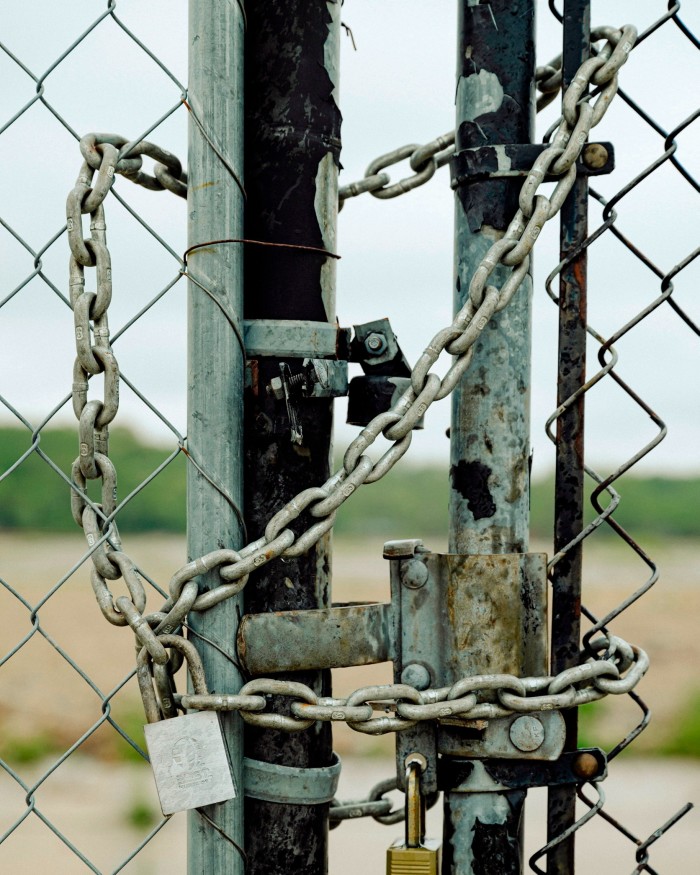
{"points": [[569, 470], [292, 163], [215, 378], [489, 473]]}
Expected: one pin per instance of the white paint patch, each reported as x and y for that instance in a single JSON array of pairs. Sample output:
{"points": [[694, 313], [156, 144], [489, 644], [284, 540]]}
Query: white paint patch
{"points": [[479, 94], [486, 807], [331, 54], [504, 162], [326, 208]]}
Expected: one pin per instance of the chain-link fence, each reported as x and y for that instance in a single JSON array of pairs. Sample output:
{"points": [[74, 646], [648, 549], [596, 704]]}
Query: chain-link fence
{"points": [[68, 72]]}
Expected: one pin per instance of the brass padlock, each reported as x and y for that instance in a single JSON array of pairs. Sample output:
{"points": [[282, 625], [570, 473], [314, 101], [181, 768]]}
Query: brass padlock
{"points": [[414, 855]]}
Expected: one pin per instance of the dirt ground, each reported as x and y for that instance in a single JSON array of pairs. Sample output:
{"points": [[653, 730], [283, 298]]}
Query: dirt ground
{"points": [[93, 800]]}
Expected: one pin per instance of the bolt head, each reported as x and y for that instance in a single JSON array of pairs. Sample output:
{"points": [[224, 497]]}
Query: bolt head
{"points": [[595, 156], [414, 573], [585, 765], [276, 388], [320, 373], [416, 675], [527, 733]]}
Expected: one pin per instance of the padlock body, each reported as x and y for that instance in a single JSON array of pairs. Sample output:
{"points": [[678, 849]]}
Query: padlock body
{"points": [[189, 761], [424, 860]]}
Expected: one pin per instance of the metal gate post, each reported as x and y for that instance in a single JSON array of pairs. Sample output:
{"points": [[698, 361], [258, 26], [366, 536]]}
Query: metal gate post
{"points": [[489, 468], [568, 502], [292, 162], [215, 377]]}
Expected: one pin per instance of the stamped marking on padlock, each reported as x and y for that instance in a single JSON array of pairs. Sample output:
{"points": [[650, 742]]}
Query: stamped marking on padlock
{"points": [[189, 762]]}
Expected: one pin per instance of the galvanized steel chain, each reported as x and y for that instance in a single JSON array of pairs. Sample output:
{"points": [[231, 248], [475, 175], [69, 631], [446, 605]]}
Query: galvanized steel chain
{"points": [[376, 806], [425, 159], [107, 154], [615, 668]]}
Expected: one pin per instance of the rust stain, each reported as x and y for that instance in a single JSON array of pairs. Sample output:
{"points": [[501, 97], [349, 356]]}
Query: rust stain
{"points": [[204, 185], [579, 272]]}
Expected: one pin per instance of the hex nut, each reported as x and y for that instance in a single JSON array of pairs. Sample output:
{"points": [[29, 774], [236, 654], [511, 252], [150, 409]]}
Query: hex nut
{"points": [[375, 343], [276, 388]]}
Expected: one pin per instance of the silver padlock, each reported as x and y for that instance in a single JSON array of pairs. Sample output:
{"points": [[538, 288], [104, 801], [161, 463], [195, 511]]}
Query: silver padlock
{"points": [[189, 761], [188, 755]]}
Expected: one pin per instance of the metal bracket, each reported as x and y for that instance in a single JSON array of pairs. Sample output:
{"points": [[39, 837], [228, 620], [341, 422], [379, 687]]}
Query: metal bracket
{"points": [[295, 338], [499, 162], [337, 637], [377, 349], [450, 617], [373, 394], [387, 372], [572, 767], [287, 784]]}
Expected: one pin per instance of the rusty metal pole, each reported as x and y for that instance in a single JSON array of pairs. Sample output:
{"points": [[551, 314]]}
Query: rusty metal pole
{"points": [[292, 161], [489, 473], [569, 472]]}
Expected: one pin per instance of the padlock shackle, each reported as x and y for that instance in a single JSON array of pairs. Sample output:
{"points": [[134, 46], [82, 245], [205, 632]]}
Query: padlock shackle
{"points": [[415, 807], [144, 677]]}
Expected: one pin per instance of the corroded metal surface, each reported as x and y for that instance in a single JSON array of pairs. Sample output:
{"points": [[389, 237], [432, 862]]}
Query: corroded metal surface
{"points": [[333, 638]]}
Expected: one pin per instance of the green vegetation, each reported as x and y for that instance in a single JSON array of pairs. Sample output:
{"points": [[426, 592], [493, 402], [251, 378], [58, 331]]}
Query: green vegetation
{"points": [[130, 720], [411, 500], [27, 749], [36, 497], [588, 717], [684, 741], [141, 814]]}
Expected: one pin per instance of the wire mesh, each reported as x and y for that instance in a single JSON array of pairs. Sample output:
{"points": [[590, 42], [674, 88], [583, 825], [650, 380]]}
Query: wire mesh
{"points": [[52, 91], [50, 98], [619, 226]]}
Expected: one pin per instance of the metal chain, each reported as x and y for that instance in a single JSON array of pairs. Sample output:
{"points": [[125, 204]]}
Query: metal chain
{"points": [[108, 154], [618, 670], [425, 159], [376, 805]]}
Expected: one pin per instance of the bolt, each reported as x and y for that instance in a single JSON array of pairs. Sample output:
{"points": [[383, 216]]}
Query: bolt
{"points": [[416, 675], [595, 156], [319, 373], [526, 733], [585, 765], [276, 388], [375, 343], [414, 573]]}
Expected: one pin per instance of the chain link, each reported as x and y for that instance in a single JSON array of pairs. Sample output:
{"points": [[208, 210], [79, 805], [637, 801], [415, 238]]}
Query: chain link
{"points": [[618, 670], [401, 706], [425, 159], [376, 806]]}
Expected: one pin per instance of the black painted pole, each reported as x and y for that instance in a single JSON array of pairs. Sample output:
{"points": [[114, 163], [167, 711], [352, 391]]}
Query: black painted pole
{"points": [[291, 165], [569, 470]]}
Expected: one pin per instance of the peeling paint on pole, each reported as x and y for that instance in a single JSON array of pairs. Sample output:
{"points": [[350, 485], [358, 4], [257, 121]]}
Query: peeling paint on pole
{"points": [[489, 435], [292, 164]]}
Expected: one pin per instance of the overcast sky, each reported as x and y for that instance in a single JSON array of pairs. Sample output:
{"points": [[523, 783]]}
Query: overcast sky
{"points": [[397, 88]]}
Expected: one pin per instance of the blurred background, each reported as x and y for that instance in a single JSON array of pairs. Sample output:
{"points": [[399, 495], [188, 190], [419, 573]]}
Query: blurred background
{"points": [[65, 768]]}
